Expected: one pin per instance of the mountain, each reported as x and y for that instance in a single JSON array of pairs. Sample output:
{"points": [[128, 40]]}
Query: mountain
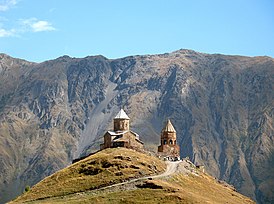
{"points": [[58, 110], [122, 175]]}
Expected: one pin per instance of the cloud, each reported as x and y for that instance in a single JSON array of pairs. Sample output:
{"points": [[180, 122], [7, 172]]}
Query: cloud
{"points": [[7, 4], [25, 26], [36, 25], [52, 10], [42, 26], [6, 33], [21, 26]]}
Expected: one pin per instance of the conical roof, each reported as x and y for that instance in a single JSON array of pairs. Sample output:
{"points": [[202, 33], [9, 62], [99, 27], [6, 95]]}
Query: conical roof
{"points": [[169, 127], [122, 115]]}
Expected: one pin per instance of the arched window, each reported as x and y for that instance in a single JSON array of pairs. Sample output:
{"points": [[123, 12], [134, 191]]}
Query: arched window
{"points": [[165, 142], [170, 141], [122, 124]]}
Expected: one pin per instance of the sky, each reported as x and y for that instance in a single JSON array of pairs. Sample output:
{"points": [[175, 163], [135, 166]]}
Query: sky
{"points": [[39, 30]]}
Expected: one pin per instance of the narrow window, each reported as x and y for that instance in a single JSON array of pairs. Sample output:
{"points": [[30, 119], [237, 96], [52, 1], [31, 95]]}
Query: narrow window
{"points": [[170, 141], [165, 142]]}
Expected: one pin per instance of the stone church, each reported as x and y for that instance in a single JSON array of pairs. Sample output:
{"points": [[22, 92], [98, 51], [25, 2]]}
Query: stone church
{"points": [[121, 135], [169, 148]]}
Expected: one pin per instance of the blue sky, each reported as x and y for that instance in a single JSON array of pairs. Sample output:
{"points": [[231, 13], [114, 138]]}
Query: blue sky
{"points": [[38, 30]]}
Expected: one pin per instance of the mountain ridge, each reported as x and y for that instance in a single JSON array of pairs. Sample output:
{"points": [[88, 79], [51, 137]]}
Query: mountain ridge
{"points": [[182, 50]]}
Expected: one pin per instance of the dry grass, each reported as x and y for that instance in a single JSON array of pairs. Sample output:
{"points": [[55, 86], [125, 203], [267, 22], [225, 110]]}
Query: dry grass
{"points": [[71, 185], [178, 189], [102, 169]]}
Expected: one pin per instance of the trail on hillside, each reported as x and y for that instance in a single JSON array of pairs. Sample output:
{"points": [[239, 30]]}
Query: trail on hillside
{"points": [[171, 169]]}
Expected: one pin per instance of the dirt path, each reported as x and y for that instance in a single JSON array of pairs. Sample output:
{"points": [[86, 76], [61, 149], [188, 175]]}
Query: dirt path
{"points": [[171, 168]]}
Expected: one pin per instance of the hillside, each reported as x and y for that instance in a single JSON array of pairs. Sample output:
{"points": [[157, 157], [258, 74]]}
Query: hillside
{"points": [[221, 107], [80, 182], [102, 169]]}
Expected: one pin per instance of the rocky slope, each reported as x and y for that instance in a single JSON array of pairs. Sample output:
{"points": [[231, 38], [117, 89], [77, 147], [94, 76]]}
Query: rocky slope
{"points": [[221, 107]]}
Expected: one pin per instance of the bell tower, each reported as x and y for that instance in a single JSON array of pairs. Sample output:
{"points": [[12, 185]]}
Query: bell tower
{"points": [[169, 145], [121, 121]]}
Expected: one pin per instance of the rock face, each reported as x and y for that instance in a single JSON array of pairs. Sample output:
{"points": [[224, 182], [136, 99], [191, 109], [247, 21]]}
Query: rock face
{"points": [[221, 106]]}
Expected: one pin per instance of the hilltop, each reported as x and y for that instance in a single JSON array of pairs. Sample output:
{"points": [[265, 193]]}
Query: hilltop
{"points": [[123, 175]]}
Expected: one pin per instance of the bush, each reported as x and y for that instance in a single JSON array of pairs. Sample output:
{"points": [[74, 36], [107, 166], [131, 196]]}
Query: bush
{"points": [[27, 188]]}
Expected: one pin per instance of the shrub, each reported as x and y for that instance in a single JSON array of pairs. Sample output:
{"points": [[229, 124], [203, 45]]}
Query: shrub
{"points": [[27, 188]]}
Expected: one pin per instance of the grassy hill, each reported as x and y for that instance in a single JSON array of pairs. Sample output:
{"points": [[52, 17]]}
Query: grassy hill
{"points": [[101, 169], [78, 182]]}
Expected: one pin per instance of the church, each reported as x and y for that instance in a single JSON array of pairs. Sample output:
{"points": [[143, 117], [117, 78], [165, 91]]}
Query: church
{"points": [[122, 136]]}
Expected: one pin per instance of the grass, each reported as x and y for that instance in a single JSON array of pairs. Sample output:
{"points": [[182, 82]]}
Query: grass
{"points": [[177, 189], [72, 185], [102, 169]]}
